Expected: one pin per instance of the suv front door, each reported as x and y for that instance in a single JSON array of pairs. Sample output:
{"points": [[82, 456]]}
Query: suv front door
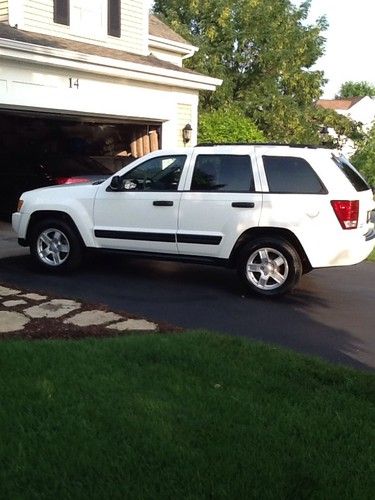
{"points": [[142, 214], [219, 203]]}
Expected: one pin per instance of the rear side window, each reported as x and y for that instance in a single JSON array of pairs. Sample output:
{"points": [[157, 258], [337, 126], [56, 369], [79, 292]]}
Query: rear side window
{"points": [[227, 173], [356, 180], [288, 174]]}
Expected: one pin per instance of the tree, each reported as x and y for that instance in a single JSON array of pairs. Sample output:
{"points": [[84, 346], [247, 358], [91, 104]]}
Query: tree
{"points": [[343, 127], [227, 125], [364, 158], [263, 50], [356, 89]]}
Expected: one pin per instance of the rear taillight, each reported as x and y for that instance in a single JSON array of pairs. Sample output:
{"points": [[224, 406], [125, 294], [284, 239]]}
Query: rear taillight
{"points": [[347, 212], [70, 180]]}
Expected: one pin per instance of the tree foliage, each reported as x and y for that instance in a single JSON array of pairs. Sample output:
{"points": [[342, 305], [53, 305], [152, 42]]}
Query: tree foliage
{"points": [[364, 158], [263, 50], [356, 89], [342, 126], [227, 125]]}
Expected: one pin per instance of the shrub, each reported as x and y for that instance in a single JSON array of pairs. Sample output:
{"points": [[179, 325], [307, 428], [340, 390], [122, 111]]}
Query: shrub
{"points": [[228, 125]]}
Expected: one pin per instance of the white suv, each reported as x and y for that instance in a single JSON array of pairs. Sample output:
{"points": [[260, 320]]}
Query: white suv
{"points": [[272, 211]]}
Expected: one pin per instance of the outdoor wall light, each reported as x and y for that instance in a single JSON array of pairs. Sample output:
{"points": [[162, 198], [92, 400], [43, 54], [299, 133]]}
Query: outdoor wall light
{"points": [[186, 133]]}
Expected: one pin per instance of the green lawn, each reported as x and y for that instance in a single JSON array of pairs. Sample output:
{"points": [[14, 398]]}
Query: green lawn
{"points": [[189, 416], [372, 256]]}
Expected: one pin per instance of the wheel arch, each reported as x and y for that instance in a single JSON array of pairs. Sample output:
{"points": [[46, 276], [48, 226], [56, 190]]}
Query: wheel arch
{"points": [[275, 232], [41, 215]]}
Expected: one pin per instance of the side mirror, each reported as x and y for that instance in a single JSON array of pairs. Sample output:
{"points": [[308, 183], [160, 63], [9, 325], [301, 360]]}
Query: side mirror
{"points": [[116, 183]]}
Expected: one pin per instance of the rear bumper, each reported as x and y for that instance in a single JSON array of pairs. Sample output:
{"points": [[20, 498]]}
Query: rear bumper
{"points": [[370, 235], [344, 248]]}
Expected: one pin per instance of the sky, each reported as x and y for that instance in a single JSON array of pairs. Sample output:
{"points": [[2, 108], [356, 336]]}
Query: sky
{"points": [[350, 41]]}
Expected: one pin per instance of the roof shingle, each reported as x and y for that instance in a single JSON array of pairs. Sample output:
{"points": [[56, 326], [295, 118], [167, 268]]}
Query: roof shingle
{"points": [[338, 103], [161, 30], [9, 33]]}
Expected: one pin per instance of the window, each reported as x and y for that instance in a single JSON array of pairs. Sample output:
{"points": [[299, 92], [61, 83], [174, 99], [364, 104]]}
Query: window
{"points": [[158, 174], [287, 174], [228, 173], [114, 18], [351, 173], [61, 12]]}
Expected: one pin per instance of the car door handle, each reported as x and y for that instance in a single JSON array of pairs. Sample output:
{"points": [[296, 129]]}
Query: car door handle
{"points": [[163, 203], [243, 205]]}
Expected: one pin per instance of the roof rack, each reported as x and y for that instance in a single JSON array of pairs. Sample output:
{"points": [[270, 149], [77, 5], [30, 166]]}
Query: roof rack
{"points": [[212, 144]]}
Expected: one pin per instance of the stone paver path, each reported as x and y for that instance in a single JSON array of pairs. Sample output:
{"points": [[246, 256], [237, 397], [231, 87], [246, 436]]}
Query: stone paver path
{"points": [[35, 307]]}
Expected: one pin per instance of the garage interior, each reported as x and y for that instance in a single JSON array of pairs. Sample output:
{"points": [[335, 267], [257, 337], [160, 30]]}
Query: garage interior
{"points": [[33, 136], [97, 137]]}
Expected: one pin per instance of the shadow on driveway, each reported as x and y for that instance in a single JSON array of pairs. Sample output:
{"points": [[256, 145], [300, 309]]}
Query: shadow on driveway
{"points": [[329, 315]]}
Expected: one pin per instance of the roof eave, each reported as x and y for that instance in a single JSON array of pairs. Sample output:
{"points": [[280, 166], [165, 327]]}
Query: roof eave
{"points": [[51, 56], [172, 45]]}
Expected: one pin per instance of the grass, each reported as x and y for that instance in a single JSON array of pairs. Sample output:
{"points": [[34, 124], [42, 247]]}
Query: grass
{"points": [[372, 256], [189, 416]]}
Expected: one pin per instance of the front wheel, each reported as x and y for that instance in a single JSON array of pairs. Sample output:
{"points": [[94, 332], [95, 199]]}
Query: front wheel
{"points": [[269, 266], [55, 246]]}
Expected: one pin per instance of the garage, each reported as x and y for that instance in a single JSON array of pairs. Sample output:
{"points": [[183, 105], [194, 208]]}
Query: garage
{"points": [[74, 102], [39, 149]]}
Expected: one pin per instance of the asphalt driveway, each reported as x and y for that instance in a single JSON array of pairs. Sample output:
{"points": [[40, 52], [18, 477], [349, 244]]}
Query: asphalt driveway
{"points": [[331, 314]]}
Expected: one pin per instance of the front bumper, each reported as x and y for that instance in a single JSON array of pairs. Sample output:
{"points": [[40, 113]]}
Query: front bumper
{"points": [[19, 224], [16, 221], [23, 242]]}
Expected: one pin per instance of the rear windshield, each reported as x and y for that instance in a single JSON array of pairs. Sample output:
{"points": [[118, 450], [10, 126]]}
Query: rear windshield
{"points": [[355, 178]]}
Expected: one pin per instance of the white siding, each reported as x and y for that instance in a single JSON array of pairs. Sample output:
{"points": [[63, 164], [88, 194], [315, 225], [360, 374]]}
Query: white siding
{"points": [[38, 17], [42, 88], [184, 116], [3, 10], [166, 55]]}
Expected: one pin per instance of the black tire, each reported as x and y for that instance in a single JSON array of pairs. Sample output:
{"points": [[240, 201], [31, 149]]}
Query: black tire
{"points": [[67, 249], [275, 268]]}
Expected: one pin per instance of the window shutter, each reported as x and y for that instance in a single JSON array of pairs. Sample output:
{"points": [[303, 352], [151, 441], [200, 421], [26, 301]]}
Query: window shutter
{"points": [[61, 12], [114, 18]]}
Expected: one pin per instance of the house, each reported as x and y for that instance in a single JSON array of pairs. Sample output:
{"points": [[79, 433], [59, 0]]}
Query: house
{"points": [[103, 77], [359, 109]]}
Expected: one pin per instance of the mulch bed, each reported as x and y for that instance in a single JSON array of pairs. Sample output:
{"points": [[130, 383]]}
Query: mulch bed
{"points": [[55, 328]]}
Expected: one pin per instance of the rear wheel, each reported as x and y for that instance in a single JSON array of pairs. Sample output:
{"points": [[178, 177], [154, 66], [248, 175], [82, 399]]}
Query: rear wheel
{"points": [[55, 246], [269, 266]]}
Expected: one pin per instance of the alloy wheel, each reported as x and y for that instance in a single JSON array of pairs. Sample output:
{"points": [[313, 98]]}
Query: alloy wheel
{"points": [[267, 269], [53, 247]]}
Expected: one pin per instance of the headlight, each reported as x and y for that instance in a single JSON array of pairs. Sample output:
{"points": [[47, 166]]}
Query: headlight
{"points": [[19, 205]]}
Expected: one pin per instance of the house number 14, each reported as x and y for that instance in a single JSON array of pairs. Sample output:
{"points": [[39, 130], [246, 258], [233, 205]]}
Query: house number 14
{"points": [[73, 82]]}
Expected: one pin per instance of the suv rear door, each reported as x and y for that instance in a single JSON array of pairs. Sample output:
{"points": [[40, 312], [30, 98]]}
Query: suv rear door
{"points": [[220, 201]]}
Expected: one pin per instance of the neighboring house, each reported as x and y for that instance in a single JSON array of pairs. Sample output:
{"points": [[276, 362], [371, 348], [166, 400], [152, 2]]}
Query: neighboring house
{"points": [[359, 109], [94, 73]]}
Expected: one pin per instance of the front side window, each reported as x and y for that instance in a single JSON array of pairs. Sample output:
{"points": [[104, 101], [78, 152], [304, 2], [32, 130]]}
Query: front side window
{"points": [[61, 14], [114, 18], [158, 174], [289, 174], [227, 173]]}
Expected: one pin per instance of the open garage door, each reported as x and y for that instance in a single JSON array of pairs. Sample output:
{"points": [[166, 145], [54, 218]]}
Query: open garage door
{"points": [[38, 149]]}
